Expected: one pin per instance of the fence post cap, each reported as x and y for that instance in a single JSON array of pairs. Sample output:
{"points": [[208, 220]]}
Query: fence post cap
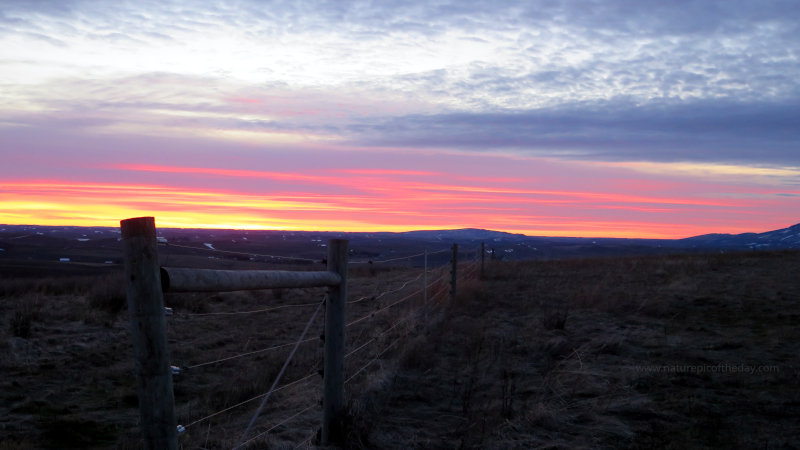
{"points": [[138, 226]]}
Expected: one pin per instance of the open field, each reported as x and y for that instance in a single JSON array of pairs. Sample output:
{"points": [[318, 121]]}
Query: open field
{"points": [[67, 366], [647, 352], [699, 351]]}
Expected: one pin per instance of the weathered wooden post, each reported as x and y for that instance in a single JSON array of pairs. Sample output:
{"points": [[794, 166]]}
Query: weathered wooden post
{"points": [[149, 334], [453, 273], [483, 259], [333, 370]]}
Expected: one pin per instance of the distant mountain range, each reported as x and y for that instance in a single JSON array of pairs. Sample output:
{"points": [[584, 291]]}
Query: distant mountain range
{"points": [[32, 245], [778, 239], [786, 238]]}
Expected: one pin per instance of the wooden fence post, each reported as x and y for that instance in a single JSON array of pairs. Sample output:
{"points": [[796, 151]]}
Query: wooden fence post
{"points": [[453, 273], [333, 370], [148, 332]]}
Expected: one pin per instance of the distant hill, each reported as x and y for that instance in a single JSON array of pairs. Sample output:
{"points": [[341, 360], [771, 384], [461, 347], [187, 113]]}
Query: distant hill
{"points": [[786, 238], [464, 234]]}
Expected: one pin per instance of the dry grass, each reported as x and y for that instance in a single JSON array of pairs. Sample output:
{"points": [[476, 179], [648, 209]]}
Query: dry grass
{"points": [[607, 353], [558, 354], [68, 371]]}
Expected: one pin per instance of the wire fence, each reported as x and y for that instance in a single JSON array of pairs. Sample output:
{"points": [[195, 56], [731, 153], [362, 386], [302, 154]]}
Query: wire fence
{"points": [[387, 308], [211, 249]]}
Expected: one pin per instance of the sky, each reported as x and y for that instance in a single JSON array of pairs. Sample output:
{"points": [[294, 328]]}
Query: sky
{"points": [[615, 118]]}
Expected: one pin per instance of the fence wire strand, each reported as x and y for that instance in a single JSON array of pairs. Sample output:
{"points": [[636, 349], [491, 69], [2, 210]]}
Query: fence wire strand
{"points": [[280, 374], [231, 252], [254, 352], [234, 313], [470, 270], [284, 421], [374, 359], [372, 314], [392, 291], [229, 408], [442, 290], [400, 258], [395, 325], [306, 441]]}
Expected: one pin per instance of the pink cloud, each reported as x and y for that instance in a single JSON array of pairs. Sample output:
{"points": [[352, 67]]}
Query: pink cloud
{"points": [[244, 100]]}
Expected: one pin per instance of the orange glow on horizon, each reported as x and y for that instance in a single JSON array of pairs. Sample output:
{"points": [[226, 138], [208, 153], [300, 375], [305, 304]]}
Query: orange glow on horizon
{"points": [[401, 207]]}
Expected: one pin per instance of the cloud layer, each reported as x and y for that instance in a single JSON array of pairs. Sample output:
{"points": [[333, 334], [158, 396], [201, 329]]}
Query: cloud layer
{"points": [[669, 88]]}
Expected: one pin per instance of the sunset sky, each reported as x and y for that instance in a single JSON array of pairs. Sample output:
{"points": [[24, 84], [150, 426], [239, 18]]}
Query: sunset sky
{"points": [[576, 118]]}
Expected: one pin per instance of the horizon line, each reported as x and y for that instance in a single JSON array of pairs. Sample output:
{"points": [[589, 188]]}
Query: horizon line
{"points": [[393, 232]]}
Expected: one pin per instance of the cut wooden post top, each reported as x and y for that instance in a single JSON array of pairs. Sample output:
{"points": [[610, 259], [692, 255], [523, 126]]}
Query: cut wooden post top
{"points": [[138, 226]]}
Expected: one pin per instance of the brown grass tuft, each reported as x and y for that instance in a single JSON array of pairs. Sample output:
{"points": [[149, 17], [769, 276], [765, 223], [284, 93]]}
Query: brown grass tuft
{"points": [[107, 294], [27, 310]]}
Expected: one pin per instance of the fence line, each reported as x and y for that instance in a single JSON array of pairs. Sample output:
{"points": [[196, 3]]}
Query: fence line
{"points": [[231, 252], [386, 292], [409, 316], [442, 290], [185, 280], [400, 258], [294, 258]]}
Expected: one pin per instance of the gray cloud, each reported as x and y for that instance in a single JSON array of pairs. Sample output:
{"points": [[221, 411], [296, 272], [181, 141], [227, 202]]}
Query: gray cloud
{"points": [[619, 129], [602, 17], [723, 131], [604, 79]]}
